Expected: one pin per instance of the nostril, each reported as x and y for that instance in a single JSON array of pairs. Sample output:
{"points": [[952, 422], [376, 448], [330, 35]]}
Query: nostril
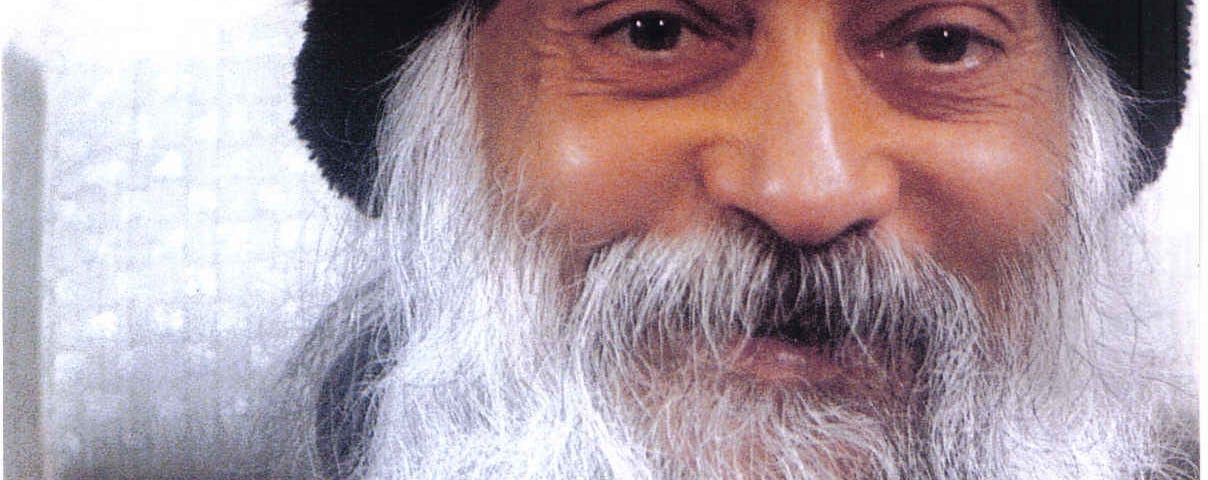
{"points": [[853, 232], [754, 224]]}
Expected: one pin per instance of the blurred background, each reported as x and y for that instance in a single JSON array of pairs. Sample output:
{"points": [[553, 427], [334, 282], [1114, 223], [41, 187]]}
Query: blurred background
{"points": [[166, 238]]}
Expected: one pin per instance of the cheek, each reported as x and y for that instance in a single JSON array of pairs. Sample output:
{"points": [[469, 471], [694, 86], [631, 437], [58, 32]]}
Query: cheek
{"points": [[997, 187], [990, 192], [578, 165], [596, 177]]}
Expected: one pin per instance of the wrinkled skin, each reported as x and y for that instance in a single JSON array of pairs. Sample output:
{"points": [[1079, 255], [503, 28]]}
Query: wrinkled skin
{"points": [[817, 118]]}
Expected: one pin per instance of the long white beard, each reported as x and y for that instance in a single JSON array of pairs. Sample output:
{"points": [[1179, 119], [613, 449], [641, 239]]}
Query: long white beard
{"points": [[494, 365]]}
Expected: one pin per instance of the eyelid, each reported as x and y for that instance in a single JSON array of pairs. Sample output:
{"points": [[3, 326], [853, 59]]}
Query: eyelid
{"points": [[618, 25], [906, 25], [919, 10], [702, 19], [974, 34]]}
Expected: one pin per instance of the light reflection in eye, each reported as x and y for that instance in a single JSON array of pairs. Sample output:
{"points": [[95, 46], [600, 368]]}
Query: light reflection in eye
{"points": [[944, 44], [655, 32]]}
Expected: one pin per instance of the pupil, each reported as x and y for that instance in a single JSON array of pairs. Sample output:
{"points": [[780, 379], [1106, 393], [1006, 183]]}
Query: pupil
{"points": [[655, 33], [944, 44]]}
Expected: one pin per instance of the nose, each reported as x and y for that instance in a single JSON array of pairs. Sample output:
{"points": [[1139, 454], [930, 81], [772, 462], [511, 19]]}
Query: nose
{"points": [[803, 158]]}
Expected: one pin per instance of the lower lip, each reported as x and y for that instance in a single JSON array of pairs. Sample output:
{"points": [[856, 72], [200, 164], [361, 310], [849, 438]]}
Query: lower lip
{"points": [[783, 360]]}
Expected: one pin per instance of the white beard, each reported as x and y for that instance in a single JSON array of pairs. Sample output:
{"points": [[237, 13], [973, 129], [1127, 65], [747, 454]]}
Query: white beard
{"points": [[499, 367]]}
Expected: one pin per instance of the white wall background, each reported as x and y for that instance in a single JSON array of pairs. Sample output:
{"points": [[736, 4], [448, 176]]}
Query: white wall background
{"points": [[182, 232], [181, 228]]}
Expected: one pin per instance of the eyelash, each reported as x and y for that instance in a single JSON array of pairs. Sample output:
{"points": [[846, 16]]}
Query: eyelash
{"points": [[912, 44], [681, 24]]}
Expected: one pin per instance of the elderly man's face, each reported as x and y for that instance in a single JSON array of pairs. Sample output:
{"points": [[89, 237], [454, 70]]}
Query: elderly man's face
{"points": [[942, 125], [751, 239]]}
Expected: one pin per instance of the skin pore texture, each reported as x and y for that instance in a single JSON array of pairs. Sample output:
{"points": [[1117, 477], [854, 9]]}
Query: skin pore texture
{"points": [[774, 239]]}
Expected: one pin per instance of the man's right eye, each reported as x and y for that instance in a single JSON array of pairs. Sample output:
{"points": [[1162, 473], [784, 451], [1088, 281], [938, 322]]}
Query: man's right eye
{"points": [[655, 32], [653, 53], [651, 31]]}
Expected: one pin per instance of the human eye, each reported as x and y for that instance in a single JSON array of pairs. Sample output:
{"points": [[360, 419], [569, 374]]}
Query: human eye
{"points": [[941, 58], [947, 49], [655, 49], [652, 32]]}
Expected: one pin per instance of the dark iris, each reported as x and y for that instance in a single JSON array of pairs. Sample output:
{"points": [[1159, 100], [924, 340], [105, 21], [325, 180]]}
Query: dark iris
{"points": [[655, 32], [943, 44]]}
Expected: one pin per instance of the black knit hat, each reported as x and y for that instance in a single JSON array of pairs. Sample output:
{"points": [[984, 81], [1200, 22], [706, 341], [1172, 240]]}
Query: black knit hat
{"points": [[353, 46]]}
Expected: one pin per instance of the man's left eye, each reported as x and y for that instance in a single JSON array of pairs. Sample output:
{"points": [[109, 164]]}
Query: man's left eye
{"points": [[943, 44], [949, 48], [937, 61]]}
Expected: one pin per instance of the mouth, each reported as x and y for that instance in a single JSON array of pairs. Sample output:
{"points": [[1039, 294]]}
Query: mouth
{"points": [[765, 310], [783, 360], [848, 364], [812, 349]]}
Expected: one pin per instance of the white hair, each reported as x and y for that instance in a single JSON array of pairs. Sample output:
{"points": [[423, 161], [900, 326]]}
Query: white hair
{"points": [[461, 349]]}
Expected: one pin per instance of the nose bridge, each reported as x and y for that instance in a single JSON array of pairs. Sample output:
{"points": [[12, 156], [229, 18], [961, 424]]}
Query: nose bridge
{"points": [[802, 167], [801, 149]]}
